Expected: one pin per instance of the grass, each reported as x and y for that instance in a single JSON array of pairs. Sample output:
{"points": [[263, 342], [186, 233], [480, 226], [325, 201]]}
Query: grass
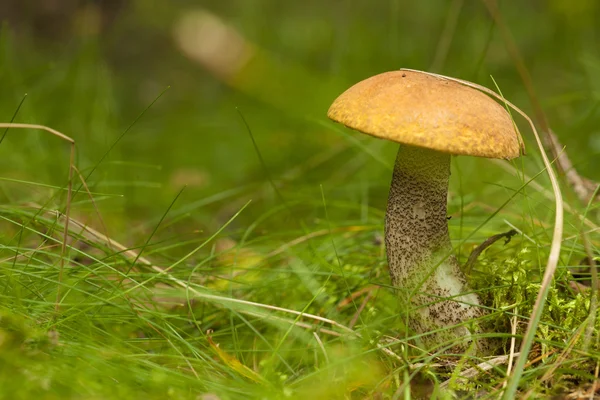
{"points": [[265, 276]]}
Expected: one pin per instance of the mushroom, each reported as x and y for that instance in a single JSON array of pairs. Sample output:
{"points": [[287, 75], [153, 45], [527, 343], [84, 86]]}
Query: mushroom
{"points": [[432, 118]]}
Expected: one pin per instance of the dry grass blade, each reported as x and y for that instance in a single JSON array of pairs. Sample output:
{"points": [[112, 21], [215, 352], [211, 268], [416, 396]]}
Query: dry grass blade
{"points": [[594, 292], [484, 366], [361, 308], [321, 346], [550, 371], [63, 250], [595, 383], [93, 201], [513, 341]]}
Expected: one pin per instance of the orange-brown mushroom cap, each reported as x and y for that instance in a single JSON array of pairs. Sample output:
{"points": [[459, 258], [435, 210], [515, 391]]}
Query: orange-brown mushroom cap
{"points": [[422, 110]]}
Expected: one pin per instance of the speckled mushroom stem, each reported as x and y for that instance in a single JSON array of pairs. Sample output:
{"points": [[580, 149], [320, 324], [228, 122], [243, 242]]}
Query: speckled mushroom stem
{"points": [[417, 240]]}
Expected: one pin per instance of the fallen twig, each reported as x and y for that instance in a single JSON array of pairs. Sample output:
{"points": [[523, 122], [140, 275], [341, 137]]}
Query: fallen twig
{"points": [[583, 187], [487, 243]]}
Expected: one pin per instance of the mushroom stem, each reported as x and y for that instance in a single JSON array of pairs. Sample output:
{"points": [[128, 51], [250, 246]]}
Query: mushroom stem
{"points": [[419, 252]]}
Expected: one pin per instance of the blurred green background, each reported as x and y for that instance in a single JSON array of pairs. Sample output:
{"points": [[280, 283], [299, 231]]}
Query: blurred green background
{"points": [[90, 68], [228, 100]]}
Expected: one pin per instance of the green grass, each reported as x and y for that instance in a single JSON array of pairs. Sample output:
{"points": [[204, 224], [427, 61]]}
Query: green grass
{"points": [[265, 277]]}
